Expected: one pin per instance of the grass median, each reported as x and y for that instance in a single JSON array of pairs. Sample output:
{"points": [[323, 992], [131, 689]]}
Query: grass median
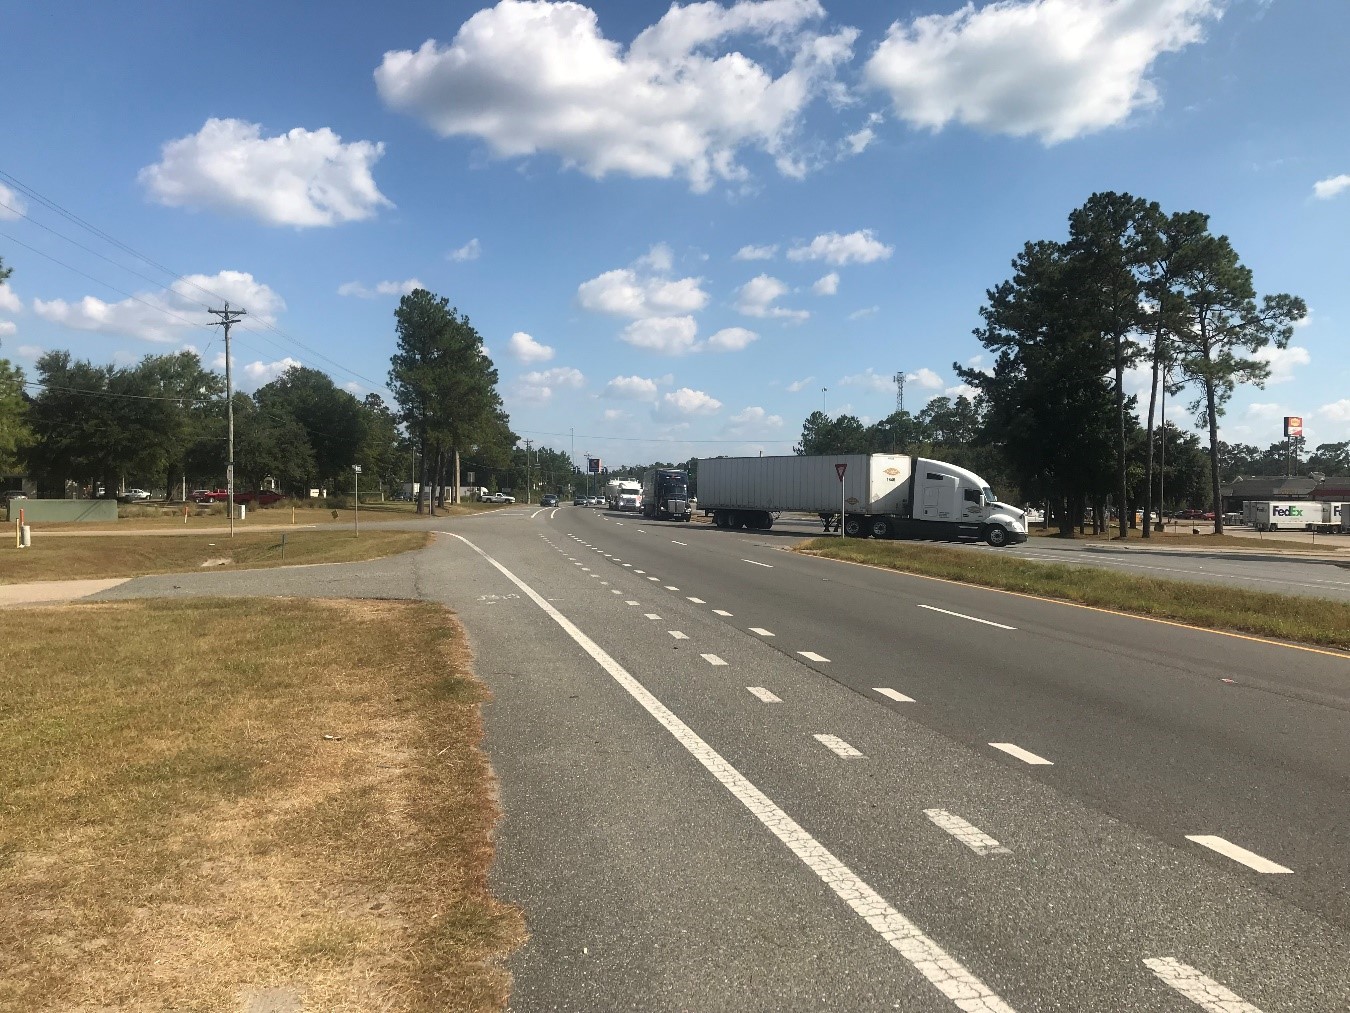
{"points": [[77, 558], [1306, 620], [218, 803]]}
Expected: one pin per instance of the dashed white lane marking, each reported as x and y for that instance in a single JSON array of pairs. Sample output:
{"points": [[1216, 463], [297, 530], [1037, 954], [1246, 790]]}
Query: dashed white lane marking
{"points": [[696, 601], [639, 571], [962, 615], [1205, 992], [615, 590], [721, 612], [761, 631], [1026, 756], [812, 656], [619, 523], [630, 603], [764, 694], [971, 836], [712, 659], [678, 635], [670, 587], [685, 544], [891, 694], [657, 579], [967, 992], [651, 615], [629, 565], [1230, 850], [767, 566], [585, 569], [838, 746]]}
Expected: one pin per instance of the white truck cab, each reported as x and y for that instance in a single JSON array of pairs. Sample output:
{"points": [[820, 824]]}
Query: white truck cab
{"points": [[948, 493]]}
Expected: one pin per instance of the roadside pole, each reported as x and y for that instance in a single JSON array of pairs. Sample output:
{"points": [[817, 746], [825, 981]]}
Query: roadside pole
{"points": [[356, 520], [839, 470]]}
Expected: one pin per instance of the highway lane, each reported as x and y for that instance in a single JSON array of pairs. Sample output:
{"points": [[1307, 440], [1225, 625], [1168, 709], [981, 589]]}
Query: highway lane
{"points": [[1063, 921], [1136, 715]]}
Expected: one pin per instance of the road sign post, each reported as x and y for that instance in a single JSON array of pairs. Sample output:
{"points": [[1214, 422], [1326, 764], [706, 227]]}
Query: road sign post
{"points": [[356, 518], [839, 470]]}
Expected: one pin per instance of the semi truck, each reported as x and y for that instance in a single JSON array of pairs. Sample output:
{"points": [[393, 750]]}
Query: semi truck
{"points": [[665, 495], [1345, 518], [624, 494], [1296, 515], [878, 496]]}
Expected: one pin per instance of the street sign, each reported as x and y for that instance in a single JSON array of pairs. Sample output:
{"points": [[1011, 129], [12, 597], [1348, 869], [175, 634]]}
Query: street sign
{"points": [[356, 468], [1293, 426], [840, 468]]}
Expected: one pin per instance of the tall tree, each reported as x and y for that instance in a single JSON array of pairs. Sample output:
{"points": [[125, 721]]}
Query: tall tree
{"points": [[333, 420], [14, 432], [1225, 325]]}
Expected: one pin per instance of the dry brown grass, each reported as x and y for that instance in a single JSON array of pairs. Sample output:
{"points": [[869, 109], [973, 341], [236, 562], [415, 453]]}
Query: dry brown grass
{"points": [[79, 558], [169, 517], [205, 797]]}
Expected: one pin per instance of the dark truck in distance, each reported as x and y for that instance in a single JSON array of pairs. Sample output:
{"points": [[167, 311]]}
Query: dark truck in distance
{"points": [[665, 495]]}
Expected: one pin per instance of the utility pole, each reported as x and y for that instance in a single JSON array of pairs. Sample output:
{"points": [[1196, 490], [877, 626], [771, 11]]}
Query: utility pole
{"points": [[573, 433], [527, 471], [824, 407], [899, 379], [228, 318]]}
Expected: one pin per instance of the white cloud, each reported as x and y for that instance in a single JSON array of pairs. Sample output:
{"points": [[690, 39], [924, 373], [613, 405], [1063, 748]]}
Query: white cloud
{"points": [[828, 285], [1336, 411], [530, 77], [752, 420], [925, 378], [538, 387], [355, 288], [659, 259], [731, 339], [686, 402], [616, 414], [263, 372], [1282, 361], [301, 178], [866, 311], [961, 390], [1266, 411], [352, 387], [799, 385], [631, 388], [8, 328], [757, 296], [977, 362], [857, 142], [9, 301], [861, 247], [625, 293], [870, 380], [1056, 69], [1325, 189], [667, 335], [469, 251], [29, 351], [755, 253], [524, 348], [11, 204], [166, 314]]}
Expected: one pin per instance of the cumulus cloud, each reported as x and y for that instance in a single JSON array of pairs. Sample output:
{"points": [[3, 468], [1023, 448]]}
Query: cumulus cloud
{"points": [[752, 420], [624, 293], [355, 288], [33, 352], [685, 403], [616, 414], [8, 328], [469, 251], [924, 378], [964, 390], [1055, 69], [799, 385], [302, 178], [1336, 411], [757, 296], [667, 335], [1282, 361], [9, 301], [731, 339], [682, 100], [165, 315], [263, 372], [11, 204], [755, 253], [870, 380], [1325, 189], [828, 285], [524, 348], [861, 247], [538, 386], [631, 388], [858, 142]]}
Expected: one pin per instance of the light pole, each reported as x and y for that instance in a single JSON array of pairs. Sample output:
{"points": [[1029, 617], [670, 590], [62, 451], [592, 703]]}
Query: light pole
{"points": [[527, 471], [356, 477]]}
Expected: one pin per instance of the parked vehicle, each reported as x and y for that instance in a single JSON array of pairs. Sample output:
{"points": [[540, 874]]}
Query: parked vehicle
{"points": [[1345, 518], [135, 495], [883, 496], [209, 495], [14, 494], [1294, 515], [264, 497], [500, 497], [665, 495]]}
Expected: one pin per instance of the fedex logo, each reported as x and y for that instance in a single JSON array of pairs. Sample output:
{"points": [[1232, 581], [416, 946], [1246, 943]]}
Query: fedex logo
{"points": [[1280, 511]]}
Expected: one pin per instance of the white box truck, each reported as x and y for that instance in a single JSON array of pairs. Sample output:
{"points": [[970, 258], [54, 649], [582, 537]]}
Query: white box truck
{"points": [[882, 496], [1287, 515]]}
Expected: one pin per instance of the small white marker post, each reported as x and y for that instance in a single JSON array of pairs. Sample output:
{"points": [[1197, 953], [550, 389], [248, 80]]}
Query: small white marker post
{"points": [[356, 520], [839, 470]]}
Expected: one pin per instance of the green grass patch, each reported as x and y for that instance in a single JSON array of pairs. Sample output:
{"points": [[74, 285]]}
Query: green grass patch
{"points": [[1318, 621]]}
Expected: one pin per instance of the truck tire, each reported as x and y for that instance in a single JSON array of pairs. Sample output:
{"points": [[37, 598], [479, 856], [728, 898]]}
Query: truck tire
{"points": [[996, 536], [854, 526], [880, 527], [720, 519]]}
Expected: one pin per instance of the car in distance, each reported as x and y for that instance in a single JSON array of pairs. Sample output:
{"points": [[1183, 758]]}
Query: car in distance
{"points": [[500, 497], [135, 495], [596, 501], [579, 501], [548, 499], [15, 494]]}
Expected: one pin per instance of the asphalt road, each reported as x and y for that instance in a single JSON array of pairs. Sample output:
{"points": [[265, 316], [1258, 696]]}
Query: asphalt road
{"points": [[686, 824]]}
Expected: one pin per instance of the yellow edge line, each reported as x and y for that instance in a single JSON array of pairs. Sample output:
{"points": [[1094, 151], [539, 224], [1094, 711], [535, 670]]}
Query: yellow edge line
{"points": [[1091, 608]]}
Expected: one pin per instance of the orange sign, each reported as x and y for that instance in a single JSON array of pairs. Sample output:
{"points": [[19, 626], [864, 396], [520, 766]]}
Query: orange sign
{"points": [[1293, 426]]}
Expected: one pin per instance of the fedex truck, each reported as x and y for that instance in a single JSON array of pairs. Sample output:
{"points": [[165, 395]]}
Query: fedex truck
{"points": [[1294, 515], [1345, 518], [880, 496]]}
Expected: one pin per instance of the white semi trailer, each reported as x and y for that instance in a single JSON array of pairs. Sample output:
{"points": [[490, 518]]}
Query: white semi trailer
{"points": [[1295, 515], [882, 496], [1345, 518]]}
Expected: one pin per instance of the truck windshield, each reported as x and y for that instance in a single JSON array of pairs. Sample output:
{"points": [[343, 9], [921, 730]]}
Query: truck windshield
{"points": [[989, 496], [675, 490]]}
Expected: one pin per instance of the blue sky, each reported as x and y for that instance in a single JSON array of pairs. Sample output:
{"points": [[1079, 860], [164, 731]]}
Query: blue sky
{"points": [[672, 226]]}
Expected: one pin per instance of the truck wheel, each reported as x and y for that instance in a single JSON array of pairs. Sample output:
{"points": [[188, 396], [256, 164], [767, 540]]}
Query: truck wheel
{"points": [[996, 536], [854, 527], [765, 521], [880, 527]]}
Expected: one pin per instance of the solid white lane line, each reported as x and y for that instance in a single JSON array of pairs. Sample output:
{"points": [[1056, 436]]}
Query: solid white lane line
{"points": [[670, 587], [537, 512], [1022, 754], [721, 612], [767, 566], [651, 615], [685, 544], [764, 694], [678, 635], [812, 656], [1230, 850], [962, 615], [891, 694], [1205, 992], [761, 631], [712, 659], [971, 836], [696, 601], [630, 603], [967, 992], [838, 746]]}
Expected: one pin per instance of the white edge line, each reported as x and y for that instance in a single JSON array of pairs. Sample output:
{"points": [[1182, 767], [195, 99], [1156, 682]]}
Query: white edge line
{"points": [[943, 971], [1238, 854], [1204, 991], [962, 615], [767, 566]]}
